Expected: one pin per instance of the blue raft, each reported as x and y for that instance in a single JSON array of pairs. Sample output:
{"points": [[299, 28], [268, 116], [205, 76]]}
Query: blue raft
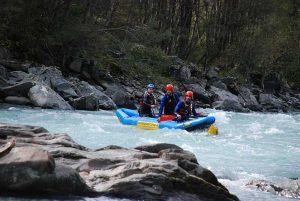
{"points": [[131, 117]]}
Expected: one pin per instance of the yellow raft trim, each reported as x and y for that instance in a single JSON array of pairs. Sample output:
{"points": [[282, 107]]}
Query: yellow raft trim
{"points": [[213, 130], [147, 125]]}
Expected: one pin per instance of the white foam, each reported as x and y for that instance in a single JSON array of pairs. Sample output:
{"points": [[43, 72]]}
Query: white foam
{"points": [[221, 116], [273, 131]]}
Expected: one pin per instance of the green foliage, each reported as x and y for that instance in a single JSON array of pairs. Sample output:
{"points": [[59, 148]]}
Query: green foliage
{"points": [[245, 36]]}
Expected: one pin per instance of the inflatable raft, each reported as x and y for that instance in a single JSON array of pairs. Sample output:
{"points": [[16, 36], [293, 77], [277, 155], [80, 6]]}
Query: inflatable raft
{"points": [[131, 117]]}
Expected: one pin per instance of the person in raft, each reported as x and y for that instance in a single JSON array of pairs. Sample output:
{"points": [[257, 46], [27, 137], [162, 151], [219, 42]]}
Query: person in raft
{"points": [[148, 102], [168, 101], [186, 108]]}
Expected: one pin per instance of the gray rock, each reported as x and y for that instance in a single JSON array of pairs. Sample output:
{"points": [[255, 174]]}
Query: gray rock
{"points": [[15, 65], [168, 173], [272, 103], [155, 148], [20, 89], [212, 73], [287, 188], [76, 66], [89, 102], [120, 97], [52, 77], [18, 76], [17, 100], [272, 83], [45, 97], [199, 92], [85, 89], [22, 165], [229, 105], [248, 100], [3, 77]]}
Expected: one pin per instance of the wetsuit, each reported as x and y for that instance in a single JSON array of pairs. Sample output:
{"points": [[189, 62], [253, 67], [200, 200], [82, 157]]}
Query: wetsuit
{"points": [[168, 104], [145, 108]]}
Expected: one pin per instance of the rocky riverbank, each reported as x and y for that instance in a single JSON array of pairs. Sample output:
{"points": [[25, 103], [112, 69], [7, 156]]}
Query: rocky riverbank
{"points": [[33, 161], [85, 87]]}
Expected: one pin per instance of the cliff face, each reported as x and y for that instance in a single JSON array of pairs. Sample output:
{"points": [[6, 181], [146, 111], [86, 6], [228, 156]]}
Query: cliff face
{"points": [[33, 161]]}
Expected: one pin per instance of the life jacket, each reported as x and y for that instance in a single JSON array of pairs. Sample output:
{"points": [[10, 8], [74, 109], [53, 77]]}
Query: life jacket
{"points": [[170, 104], [186, 110], [150, 99]]}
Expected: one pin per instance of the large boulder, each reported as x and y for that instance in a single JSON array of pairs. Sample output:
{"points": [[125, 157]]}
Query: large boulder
{"points": [[23, 165], [85, 89], [199, 92], [88, 102], [20, 89], [272, 83], [18, 76], [230, 105], [17, 100], [248, 100], [272, 103], [151, 172], [121, 173], [43, 96], [3, 76], [15, 65], [120, 97], [53, 78]]}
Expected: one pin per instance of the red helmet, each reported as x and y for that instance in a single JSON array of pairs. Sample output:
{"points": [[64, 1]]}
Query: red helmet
{"points": [[189, 94], [169, 87]]}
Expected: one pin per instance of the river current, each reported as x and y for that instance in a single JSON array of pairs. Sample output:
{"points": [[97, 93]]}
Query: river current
{"points": [[250, 146]]}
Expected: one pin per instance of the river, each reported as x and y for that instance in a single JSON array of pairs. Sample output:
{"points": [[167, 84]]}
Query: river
{"points": [[250, 146]]}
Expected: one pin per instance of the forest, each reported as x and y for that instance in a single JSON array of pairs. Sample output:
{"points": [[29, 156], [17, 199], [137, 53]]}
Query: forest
{"points": [[242, 37]]}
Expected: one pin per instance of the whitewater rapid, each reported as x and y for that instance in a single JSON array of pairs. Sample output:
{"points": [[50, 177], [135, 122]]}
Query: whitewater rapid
{"points": [[250, 146]]}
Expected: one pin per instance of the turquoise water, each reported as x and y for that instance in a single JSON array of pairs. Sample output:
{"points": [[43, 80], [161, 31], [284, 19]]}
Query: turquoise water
{"points": [[249, 146]]}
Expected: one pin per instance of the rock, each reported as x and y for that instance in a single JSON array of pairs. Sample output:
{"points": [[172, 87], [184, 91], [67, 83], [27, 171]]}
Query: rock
{"points": [[120, 97], [15, 65], [212, 73], [3, 77], [155, 148], [52, 77], [230, 105], [45, 97], [248, 100], [219, 84], [17, 100], [199, 92], [22, 165], [76, 65], [221, 95], [287, 188], [272, 83], [169, 172], [20, 89], [89, 102], [18, 76], [85, 89], [6, 148], [63, 181], [3, 72], [231, 85], [272, 103]]}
